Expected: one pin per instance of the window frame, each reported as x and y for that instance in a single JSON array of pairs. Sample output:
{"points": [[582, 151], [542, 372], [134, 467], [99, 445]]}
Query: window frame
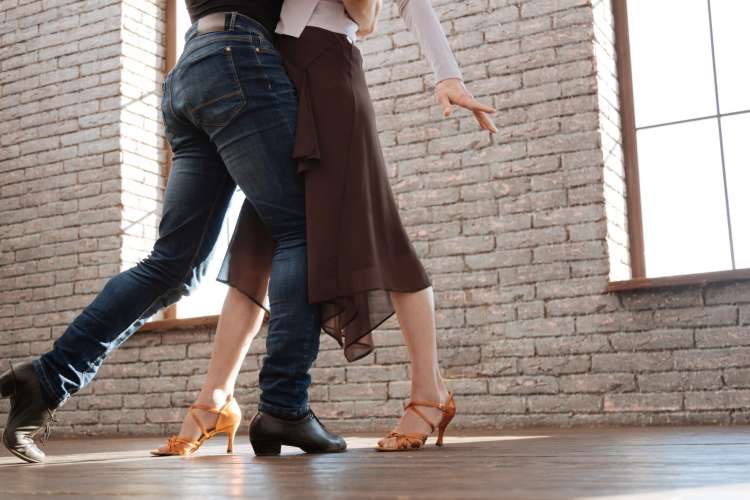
{"points": [[170, 319], [638, 279]]}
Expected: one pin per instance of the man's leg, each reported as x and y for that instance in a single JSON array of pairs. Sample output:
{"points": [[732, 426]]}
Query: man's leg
{"points": [[256, 148], [196, 199], [261, 165], [198, 192]]}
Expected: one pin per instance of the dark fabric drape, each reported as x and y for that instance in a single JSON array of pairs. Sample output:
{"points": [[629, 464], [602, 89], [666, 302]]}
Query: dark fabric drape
{"points": [[357, 247]]}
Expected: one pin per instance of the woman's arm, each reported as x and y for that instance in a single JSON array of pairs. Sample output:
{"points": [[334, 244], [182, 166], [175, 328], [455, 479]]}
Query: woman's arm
{"points": [[365, 13], [422, 21]]}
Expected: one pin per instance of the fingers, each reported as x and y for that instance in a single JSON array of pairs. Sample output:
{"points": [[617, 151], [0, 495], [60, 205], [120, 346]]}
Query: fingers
{"points": [[485, 122], [467, 101], [445, 103], [450, 92]]}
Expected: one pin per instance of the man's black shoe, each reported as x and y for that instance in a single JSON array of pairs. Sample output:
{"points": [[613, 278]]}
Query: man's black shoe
{"points": [[29, 412], [268, 433]]}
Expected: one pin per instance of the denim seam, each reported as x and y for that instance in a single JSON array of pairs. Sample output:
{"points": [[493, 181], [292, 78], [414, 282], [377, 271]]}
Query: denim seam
{"points": [[216, 99], [171, 108], [202, 238], [251, 38], [58, 400], [239, 91], [48, 388], [270, 87]]}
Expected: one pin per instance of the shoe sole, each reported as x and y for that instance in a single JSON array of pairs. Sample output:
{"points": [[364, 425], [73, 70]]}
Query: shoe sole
{"points": [[19, 455], [392, 450], [273, 448]]}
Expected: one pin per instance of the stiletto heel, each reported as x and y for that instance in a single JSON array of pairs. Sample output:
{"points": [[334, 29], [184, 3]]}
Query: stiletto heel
{"points": [[448, 413], [265, 448], [228, 422], [414, 440], [439, 441], [230, 438]]}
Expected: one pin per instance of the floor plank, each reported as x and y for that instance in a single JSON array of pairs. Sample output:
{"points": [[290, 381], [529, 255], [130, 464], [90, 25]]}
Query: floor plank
{"points": [[540, 464]]}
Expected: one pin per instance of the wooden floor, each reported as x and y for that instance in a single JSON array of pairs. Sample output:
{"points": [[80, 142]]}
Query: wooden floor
{"points": [[636, 464]]}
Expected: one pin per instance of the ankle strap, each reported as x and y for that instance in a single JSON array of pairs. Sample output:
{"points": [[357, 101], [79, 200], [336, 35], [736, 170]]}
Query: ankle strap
{"points": [[440, 406], [212, 409], [411, 406]]}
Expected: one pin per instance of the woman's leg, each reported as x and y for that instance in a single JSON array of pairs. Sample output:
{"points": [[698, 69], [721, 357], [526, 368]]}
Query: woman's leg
{"points": [[240, 320], [416, 316]]}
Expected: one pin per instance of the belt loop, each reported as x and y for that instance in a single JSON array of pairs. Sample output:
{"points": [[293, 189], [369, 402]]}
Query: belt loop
{"points": [[226, 21], [234, 20]]}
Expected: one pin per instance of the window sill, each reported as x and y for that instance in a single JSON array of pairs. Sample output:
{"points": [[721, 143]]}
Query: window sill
{"points": [[171, 324], [683, 280]]}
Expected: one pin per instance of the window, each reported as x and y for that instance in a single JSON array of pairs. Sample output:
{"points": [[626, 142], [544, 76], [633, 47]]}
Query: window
{"points": [[208, 298], [685, 102]]}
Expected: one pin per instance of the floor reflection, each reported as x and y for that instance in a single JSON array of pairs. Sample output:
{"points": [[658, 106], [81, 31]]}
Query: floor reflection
{"points": [[592, 464]]}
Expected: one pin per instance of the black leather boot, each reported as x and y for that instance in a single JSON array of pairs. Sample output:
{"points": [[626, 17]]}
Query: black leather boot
{"points": [[268, 433], [29, 412]]}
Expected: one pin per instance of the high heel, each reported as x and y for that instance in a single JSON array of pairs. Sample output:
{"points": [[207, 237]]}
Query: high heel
{"points": [[268, 433], [266, 448], [228, 422], [230, 438], [406, 441]]}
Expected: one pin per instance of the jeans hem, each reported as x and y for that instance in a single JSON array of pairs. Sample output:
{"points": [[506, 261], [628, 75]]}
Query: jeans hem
{"points": [[284, 413], [53, 399]]}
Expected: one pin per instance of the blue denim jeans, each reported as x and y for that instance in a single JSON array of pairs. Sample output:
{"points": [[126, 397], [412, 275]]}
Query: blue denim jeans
{"points": [[229, 111]]}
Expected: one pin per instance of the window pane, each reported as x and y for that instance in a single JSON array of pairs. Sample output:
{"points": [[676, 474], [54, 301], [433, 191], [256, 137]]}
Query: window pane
{"points": [[736, 130], [183, 23], [732, 42], [682, 196], [670, 47], [207, 299]]}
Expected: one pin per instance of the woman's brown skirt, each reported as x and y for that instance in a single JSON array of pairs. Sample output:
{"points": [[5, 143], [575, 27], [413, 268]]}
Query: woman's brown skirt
{"points": [[357, 248]]}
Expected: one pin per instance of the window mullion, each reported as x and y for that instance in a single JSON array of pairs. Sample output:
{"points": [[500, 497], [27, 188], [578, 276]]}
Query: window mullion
{"points": [[721, 136]]}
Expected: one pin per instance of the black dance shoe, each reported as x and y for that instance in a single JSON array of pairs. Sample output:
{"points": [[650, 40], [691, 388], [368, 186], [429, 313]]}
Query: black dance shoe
{"points": [[268, 433], [29, 412]]}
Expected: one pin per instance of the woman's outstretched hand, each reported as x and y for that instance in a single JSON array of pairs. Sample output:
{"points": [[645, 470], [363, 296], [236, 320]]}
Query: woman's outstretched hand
{"points": [[452, 91]]}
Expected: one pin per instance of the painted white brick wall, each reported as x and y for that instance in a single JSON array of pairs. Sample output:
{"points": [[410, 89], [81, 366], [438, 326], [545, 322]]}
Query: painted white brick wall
{"points": [[520, 232]]}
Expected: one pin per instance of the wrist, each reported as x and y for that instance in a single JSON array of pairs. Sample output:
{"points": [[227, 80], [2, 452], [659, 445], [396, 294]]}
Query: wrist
{"points": [[450, 78], [447, 78]]}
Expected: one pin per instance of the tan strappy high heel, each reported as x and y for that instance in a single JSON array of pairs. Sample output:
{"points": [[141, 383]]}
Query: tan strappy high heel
{"points": [[406, 441], [228, 422]]}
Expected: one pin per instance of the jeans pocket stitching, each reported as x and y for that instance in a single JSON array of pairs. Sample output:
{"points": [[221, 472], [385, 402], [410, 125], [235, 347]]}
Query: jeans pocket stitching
{"points": [[215, 99], [238, 91], [168, 96]]}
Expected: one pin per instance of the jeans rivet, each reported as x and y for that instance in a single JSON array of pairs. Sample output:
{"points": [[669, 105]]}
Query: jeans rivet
{"points": [[257, 49], [228, 49]]}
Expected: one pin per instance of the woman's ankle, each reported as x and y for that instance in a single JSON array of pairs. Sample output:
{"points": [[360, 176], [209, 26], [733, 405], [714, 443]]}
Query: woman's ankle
{"points": [[215, 397], [435, 391]]}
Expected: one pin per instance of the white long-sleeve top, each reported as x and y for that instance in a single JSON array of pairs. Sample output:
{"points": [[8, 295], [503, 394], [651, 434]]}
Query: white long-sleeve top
{"points": [[418, 15]]}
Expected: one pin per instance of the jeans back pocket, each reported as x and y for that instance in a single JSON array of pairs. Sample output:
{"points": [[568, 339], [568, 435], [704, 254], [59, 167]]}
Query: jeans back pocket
{"points": [[212, 92]]}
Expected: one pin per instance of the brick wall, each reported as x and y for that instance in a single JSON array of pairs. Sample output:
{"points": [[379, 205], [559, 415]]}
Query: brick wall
{"points": [[142, 144], [520, 232], [60, 163]]}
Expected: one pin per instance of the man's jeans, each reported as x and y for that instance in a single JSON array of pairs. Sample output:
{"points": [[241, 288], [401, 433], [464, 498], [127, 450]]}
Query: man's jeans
{"points": [[229, 111]]}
